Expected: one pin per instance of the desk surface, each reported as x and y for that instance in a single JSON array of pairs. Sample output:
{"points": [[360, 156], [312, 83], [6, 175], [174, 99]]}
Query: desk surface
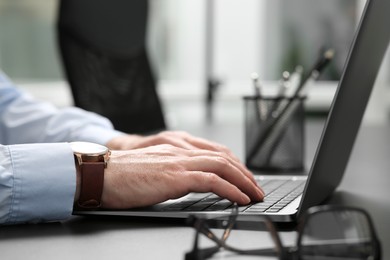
{"points": [[365, 184]]}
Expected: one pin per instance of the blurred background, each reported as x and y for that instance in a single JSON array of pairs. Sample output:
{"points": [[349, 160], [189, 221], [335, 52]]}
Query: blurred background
{"points": [[198, 47]]}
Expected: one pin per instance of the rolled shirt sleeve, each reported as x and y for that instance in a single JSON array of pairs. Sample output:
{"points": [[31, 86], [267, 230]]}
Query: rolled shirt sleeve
{"points": [[38, 183]]}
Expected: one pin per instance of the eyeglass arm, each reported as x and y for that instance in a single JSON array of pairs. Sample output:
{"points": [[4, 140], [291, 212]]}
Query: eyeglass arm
{"points": [[281, 251], [204, 253]]}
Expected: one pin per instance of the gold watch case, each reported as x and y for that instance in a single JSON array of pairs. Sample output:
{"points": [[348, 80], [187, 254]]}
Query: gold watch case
{"points": [[90, 152]]}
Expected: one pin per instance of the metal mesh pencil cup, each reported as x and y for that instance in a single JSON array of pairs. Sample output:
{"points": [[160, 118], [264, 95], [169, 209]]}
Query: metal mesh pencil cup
{"points": [[274, 133]]}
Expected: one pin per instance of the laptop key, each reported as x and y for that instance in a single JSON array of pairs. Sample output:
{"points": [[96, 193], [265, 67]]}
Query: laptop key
{"points": [[255, 210], [220, 205], [272, 210]]}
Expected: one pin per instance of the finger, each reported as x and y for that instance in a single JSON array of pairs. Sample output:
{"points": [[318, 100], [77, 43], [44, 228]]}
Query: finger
{"points": [[238, 165], [168, 139], [198, 181], [224, 169]]}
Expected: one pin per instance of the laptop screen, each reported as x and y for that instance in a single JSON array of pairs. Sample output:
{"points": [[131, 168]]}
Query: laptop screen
{"points": [[348, 107]]}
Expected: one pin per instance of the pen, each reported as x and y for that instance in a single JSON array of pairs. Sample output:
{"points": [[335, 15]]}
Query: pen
{"points": [[315, 72], [280, 101], [295, 80], [256, 86], [261, 108], [283, 84]]}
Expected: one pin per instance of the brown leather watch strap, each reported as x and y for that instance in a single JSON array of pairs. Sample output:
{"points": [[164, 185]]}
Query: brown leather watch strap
{"points": [[91, 185]]}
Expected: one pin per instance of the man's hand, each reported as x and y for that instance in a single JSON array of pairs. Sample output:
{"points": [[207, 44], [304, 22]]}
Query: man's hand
{"points": [[176, 138], [146, 176]]}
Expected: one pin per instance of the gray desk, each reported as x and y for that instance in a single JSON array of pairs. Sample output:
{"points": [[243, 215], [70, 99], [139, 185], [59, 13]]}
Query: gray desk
{"points": [[366, 184]]}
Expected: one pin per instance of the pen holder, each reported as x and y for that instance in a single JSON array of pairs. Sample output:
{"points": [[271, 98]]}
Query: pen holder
{"points": [[274, 133]]}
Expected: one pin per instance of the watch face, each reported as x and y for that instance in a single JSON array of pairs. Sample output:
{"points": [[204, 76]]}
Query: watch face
{"points": [[88, 148]]}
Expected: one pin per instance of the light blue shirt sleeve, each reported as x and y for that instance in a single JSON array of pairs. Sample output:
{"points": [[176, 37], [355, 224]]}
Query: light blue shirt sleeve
{"points": [[37, 170], [37, 183], [24, 119]]}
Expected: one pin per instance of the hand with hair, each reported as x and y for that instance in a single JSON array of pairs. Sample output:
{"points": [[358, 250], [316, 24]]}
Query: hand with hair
{"points": [[143, 171]]}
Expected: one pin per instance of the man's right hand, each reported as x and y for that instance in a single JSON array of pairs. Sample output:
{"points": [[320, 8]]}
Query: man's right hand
{"points": [[146, 176]]}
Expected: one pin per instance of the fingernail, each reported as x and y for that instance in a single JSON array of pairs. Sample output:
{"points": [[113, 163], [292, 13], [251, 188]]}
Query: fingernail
{"points": [[261, 193], [245, 199]]}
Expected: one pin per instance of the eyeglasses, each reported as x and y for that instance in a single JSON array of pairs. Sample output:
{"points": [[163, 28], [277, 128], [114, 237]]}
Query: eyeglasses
{"points": [[324, 232]]}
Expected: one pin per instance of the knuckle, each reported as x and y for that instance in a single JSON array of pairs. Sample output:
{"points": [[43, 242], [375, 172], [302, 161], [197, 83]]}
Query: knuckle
{"points": [[166, 150], [205, 180], [211, 179], [182, 133], [223, 162], [167, 146], [224, 148], [176, 167], [162, 138]]}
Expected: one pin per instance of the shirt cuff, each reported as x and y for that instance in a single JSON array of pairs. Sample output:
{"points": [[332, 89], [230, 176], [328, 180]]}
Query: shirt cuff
{"points": [[44, 182]]}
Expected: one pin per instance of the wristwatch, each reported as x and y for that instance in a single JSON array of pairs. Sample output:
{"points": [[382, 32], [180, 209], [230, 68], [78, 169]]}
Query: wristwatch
{"points": [[91, 160]]}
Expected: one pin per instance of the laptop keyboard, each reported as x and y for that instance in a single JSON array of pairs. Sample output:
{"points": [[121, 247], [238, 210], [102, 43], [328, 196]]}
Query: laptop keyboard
{"points": [[279, 193]]}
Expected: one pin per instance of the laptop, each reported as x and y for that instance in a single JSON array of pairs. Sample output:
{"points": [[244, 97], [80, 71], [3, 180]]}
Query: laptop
{"points": [[332, 155]]}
